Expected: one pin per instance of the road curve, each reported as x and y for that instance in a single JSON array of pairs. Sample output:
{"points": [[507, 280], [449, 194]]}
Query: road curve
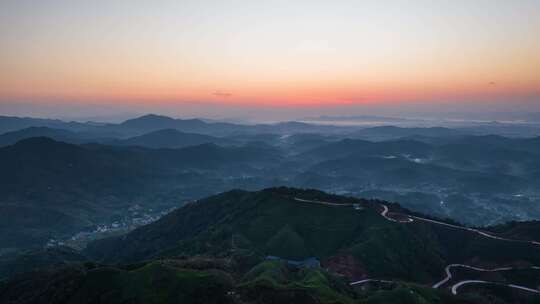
{"points": [[320, 202], [482, 233], [458, 285], [411, 218], [384, 214], [448, 268]]}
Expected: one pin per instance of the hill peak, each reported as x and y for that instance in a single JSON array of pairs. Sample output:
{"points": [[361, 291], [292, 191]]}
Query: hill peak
{"points": [[41, 144], [149, 118], [37, 141]]}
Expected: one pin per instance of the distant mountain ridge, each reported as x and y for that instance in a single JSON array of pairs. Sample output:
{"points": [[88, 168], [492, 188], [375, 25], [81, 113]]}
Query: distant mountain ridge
{"points": [[51, 188], [163, 138], [11, 123], [171, 138], [392, 132], [152, 122], [13, 137]]}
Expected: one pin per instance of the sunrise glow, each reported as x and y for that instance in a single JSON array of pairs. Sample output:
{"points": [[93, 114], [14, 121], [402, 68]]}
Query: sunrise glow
{"points": [[275, 53]]}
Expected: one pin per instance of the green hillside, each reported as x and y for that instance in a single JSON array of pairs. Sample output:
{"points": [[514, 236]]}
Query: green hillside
{"points": [[202, 280], [286, 245], [273, 223]]}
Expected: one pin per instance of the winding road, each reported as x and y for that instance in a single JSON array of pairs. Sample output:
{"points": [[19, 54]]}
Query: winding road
{"points": [[385, 212], [448, 268], [455, 287], [411, 218]]}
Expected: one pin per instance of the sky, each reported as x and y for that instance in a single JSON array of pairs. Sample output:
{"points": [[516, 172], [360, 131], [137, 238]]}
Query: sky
{"points": [[252, 58]]}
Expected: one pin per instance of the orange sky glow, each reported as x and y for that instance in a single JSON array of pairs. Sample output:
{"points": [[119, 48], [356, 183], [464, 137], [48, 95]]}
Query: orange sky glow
{"points": [[309, 53]]}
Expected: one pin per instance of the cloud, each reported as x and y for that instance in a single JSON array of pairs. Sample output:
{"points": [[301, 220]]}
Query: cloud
{"points": [[222, 94]]}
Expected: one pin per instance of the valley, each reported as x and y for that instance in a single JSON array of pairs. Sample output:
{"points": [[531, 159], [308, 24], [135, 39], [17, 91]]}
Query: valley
{"points": [[477, 180]]}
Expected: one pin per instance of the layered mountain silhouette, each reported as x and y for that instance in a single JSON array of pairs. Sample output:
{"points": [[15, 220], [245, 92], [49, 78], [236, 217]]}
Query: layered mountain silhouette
{"points": [[142, 212], [50, 188]]}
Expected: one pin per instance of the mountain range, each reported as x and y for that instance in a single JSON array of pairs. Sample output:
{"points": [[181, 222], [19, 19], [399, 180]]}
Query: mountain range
{"points": [[54, 188], [152, 122], [143, 212], [50, 188]]}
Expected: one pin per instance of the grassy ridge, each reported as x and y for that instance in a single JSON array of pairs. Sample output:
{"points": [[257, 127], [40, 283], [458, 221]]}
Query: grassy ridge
{"points": [[272, 222], [272, 279]]}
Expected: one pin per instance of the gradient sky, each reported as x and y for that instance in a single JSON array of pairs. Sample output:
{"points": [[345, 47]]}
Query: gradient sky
{"points": [[269, 53]]}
